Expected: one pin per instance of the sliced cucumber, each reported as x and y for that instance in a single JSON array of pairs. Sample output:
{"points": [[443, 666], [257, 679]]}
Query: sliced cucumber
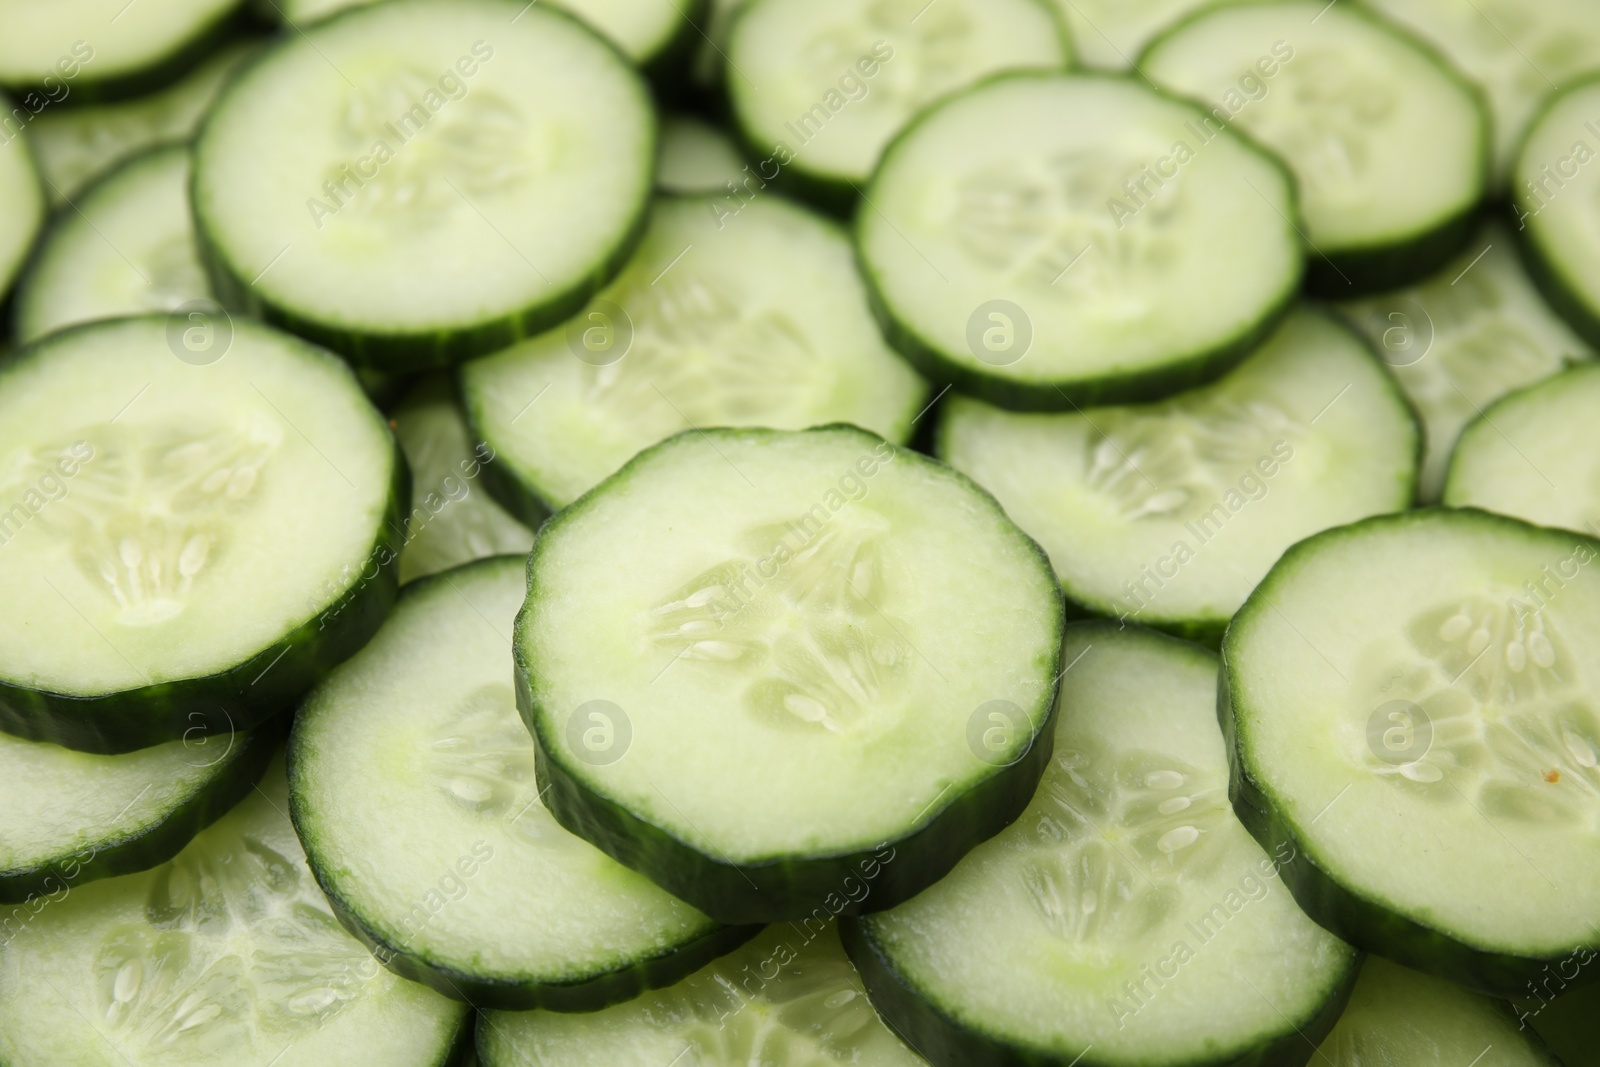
{"points": [[155, 476], [71, 817], [21, 203], [1414, 712], [1169, 514], [791, 617], [696, 157], [483, 174], [1397, 1016], [1462, 339], [1004, 257], [837, 79], [474, 888], [1389, 144], [125, 248], [227, 954], [754, 319], [790, 998], [1110, 34], [1127, 917], [453, 518]]}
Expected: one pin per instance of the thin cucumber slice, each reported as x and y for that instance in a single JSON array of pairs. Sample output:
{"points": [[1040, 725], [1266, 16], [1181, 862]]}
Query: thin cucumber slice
{"points": [[412, 779], [22, 208], [1169, 514], [1518, 50], [1389, 144], [1535, 455], [795, 617], [1127, 917], [696, 157], [127, 247], [453, 518], [1110, 34], [1398, 1016], [1414, 715], [1464, 338], [473, 177], [839, 78], [227, 954], [754, 319], [150, 488], [71, 817], [790, 998], [1004, 258]]}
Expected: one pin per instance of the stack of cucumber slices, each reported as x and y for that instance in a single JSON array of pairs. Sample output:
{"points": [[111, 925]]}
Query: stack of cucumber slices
{"points": [[799, 533]]}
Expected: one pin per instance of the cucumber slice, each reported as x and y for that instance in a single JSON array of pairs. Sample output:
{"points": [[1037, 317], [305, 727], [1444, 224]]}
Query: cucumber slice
{"points": [[1389, 144], [1518, 50], [227, 954], [839, 78], [806, 600], [453, 519], [1001, 260], [1462, 339], [71, 817], [696, 157], [790, 998], [1413, 709], [1533, 455], [758, 319], [21, 203], [1110, 34], [1401, 1017], [148, 494], [1127, 917], [126, 247], [1169, 514], [466, 220], [518, 913]]}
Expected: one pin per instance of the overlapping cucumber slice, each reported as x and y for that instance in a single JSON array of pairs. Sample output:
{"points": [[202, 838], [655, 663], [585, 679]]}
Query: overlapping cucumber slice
{"points": [[22, 201]]}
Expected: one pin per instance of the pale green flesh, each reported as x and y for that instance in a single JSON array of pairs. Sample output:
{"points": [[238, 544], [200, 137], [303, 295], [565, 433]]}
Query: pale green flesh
{"points": [[1520, 51], [758, 319], [147, 498], [1464, 338], [1174, 511], [415, 792], [1536, 455], [532, 161], [790, 998], [1129, 869], [1400, 1018], [1110, 34], [453, 519], [1555, 182], [21, 203], [1476, 816], [810, 595], [696, 157], [838, 78], [109, 40], [1385, 144], [226, 954], [997, 194], [126, 249]]}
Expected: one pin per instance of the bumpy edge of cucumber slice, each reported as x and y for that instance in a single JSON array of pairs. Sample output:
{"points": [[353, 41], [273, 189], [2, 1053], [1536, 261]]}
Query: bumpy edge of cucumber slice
{"points": [[786, 889], [247, 758], [11, 274], [1362, 920], [231, 700], [416, 351], [1155, 382], [521, 499]]}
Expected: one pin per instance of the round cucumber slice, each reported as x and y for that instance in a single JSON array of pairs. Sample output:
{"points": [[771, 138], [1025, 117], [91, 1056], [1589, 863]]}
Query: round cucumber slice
{"points": [[419, 181], [148, 489], [1414, 715], [793, 617], [1110, 34], [516, 912], [758, 319], [1390, 146], [1006, 256], [1169, 514], [1127, 917], [22, 201], [696, 157]]}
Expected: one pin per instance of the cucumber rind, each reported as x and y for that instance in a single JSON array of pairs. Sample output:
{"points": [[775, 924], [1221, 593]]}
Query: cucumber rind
{"points": [[1355, 916]]}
